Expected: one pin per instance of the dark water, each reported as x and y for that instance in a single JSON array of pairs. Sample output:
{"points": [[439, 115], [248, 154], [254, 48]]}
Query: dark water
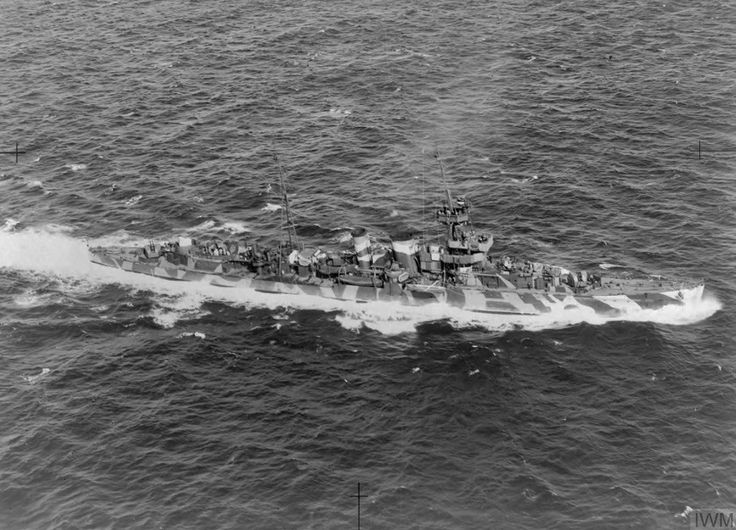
{"points": [[574, 130]]}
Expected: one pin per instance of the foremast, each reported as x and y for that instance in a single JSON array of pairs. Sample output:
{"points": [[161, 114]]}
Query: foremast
{"points": [[464, 250]]}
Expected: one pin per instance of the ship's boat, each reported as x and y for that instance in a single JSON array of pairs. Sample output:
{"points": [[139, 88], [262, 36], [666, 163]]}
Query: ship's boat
{"points": [[458, 270]]}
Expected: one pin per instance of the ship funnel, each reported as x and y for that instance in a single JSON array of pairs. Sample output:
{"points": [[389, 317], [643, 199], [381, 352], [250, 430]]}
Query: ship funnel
{"points": [[362, 245], [405, 253]]}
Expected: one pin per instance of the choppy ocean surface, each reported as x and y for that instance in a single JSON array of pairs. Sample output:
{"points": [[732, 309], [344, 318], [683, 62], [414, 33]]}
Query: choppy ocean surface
{"points": [[583, 134]]}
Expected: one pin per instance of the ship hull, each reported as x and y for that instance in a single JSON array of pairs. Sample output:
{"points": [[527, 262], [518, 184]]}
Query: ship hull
{"points": [[611, 301]]}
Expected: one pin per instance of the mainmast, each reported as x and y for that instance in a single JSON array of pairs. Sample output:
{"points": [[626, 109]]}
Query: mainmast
{"points": [[285, 198]]}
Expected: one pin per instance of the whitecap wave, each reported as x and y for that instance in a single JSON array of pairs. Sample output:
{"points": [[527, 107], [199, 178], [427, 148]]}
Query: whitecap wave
{"points": [[343, 237], [270, 207], [235, 227], [32, 379], [336, 112], [203, 226], [213, 225], [118, 238], [30, 299], [133, 200], [195, 334]]}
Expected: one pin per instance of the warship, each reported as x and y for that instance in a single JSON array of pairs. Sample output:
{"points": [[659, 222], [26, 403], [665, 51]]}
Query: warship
{"points": [[457, 269]]}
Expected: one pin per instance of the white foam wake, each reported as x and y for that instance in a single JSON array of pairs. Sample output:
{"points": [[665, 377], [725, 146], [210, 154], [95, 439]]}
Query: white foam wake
{"points": [[391, 318], [55, 253]]}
